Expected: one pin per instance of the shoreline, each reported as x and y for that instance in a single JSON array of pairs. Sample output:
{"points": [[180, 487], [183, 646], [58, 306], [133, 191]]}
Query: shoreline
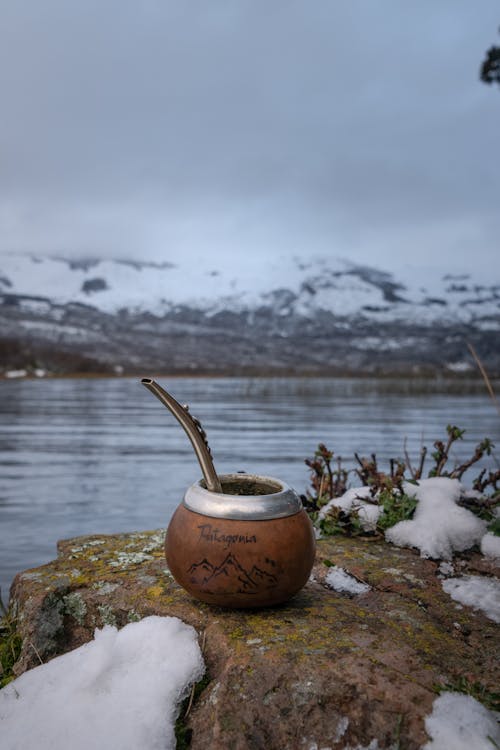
{"points": [[457, 383], [427, 375]]}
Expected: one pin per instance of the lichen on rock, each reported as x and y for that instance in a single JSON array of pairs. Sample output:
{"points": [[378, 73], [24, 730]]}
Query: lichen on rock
{"points": [[74, 605], [340, 670]]}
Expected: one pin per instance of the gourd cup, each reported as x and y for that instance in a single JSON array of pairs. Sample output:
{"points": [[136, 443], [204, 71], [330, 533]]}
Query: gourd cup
{"points": [[236, 540], [252, 545]]}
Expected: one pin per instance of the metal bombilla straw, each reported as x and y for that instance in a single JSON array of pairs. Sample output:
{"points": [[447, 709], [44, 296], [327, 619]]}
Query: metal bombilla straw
{"points": [[194, 431]]}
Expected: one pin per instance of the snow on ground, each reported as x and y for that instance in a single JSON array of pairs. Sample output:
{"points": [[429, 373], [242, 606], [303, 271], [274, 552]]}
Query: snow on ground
{"points": [[121, 690], [459, 722], [353, 500], [439, 526], [339, 580], [490, 546], [446, 569], [16, 373], [478, 592]]}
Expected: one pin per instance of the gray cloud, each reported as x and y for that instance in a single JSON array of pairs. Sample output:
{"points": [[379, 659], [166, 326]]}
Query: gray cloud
{"points": [[166, 128]]}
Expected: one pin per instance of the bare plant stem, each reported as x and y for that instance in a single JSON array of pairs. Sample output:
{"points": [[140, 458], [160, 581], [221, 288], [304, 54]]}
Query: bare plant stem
{"points": [[191, 697], [36, 651], [330, 478], [407, 459], [423, 454], [485, 376], [321, 486], [444, 456]]}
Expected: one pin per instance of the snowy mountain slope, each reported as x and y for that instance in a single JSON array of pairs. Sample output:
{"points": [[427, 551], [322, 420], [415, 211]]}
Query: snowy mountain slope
{"points": [[289, 287], [291, 315]]}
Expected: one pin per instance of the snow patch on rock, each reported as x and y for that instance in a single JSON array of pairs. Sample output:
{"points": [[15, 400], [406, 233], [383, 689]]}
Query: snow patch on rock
{"points": [[478, 592], [120, 690], [342, 581], [459, 722], [439, 526]]}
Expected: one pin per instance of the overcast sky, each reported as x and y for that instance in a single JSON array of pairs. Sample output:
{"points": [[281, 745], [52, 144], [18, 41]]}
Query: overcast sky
{"points": [[169, 129]]}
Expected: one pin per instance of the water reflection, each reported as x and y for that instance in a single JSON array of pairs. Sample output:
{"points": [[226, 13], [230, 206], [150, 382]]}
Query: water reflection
{"points": [[90, 456]]}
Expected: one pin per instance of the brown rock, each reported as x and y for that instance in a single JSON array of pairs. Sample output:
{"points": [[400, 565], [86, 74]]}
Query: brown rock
{"points": [[326, 670]]}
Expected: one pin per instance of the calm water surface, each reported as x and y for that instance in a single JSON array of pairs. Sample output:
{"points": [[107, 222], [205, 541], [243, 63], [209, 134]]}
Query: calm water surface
{"points": [[102, 456]]}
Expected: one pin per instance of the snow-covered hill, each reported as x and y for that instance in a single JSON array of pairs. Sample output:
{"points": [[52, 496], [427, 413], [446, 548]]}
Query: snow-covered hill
{"points": [[301, 287], [92, 305]]}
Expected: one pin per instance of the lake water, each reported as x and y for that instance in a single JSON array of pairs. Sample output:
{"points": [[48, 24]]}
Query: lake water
{"points": [[83, 456]]}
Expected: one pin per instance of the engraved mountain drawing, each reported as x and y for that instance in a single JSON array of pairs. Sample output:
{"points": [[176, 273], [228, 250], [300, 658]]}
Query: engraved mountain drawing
{"points": [[268, 579], [230, 576], [201, 572]]}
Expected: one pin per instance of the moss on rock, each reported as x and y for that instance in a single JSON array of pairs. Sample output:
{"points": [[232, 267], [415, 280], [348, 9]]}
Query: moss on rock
{"points": [[323, 666]]}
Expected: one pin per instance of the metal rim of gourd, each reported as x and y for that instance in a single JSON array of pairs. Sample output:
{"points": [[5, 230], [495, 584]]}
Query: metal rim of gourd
{"points": [[282, 501]]}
